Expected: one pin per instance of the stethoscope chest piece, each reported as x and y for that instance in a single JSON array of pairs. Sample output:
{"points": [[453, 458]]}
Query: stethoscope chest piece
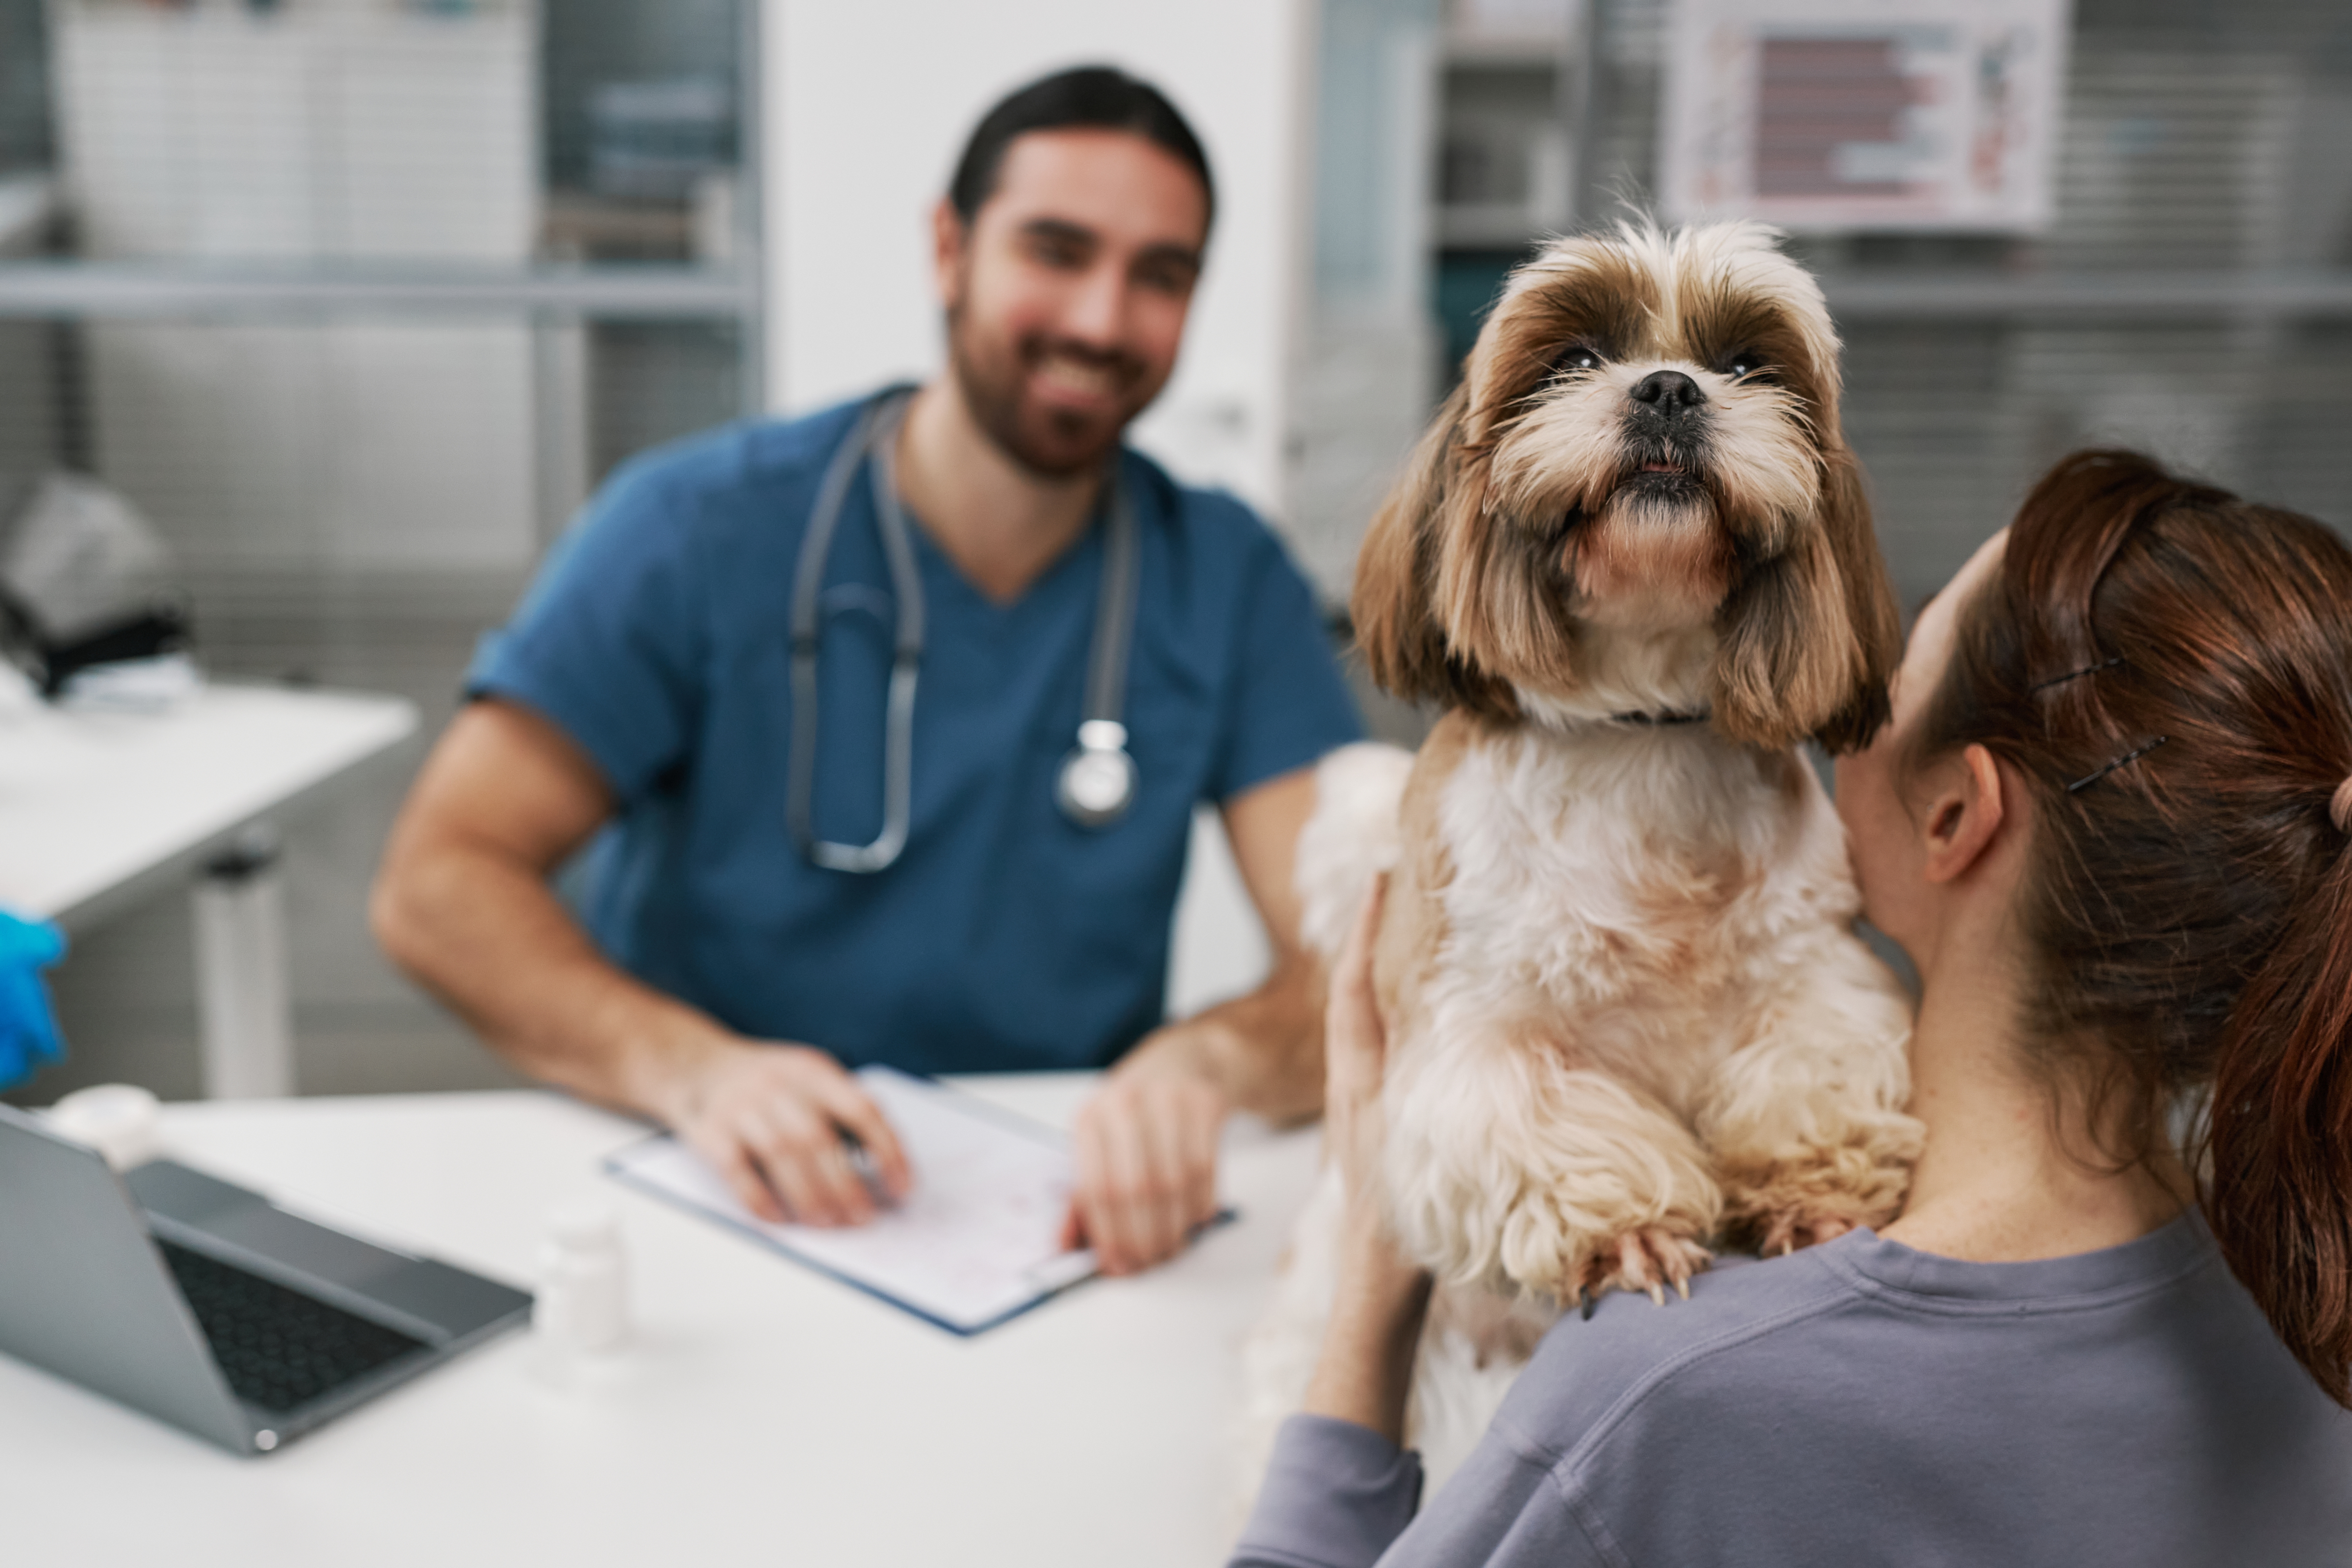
{"points": [[1097, 782]]}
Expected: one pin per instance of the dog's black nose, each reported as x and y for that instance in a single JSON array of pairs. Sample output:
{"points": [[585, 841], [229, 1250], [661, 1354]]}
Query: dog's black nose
{"points": [[1669, 392]]}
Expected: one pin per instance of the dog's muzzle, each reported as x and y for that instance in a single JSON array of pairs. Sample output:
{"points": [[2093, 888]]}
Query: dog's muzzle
{"points": [[1665, 437]]}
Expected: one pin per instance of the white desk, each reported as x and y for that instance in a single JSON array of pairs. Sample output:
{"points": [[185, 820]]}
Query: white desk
{"points": [[99, 811], [765, 1414]]}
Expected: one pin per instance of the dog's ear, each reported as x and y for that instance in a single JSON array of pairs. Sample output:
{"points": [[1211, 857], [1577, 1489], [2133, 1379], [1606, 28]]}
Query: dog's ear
{"points": [[1403, 642], [1810, 640], [1871, 609]]}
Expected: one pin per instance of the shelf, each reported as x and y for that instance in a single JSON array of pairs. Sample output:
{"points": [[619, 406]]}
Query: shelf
{"points": [[50, 289], [1531, 52], [1488, 225], [2108, 295]]}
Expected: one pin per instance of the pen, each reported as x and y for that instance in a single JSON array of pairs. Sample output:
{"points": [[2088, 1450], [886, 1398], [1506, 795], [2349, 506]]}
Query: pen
{"points": [[861, 1160]]}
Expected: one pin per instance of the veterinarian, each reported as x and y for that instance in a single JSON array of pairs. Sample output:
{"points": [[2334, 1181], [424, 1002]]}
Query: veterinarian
{"points": [[2111, 823], [892, 719]]}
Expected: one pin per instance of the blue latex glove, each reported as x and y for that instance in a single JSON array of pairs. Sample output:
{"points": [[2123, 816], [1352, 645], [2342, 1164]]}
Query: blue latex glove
{"points": [[29, 1030]]}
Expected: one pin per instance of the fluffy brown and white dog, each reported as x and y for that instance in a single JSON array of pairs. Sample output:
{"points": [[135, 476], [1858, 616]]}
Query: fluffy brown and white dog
{"points": [[1628, 1016]]}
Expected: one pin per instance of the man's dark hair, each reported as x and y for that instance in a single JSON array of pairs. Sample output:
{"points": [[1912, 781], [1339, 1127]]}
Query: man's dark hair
{"points": [[1092, 97]]}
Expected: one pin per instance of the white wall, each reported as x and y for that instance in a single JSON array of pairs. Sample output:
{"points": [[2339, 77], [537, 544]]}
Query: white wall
{"points": [[867, 106]]}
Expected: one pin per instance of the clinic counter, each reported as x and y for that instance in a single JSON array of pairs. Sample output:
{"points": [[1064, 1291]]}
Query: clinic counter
{"points": [[763, 1413]]}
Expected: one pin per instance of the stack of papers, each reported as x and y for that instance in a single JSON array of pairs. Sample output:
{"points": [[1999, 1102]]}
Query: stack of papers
{"points": [[978, 1239]]}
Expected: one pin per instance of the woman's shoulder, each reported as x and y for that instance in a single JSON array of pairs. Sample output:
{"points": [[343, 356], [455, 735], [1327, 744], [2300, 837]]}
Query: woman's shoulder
{"points": [[1785, 1393], [1746, 1320]]}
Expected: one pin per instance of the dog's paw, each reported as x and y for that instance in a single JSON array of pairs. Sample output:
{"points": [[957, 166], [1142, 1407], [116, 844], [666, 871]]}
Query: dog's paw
{"points": [[1779, 1206], [1645, 1260], [1575, 1238], [1783, 1234]]}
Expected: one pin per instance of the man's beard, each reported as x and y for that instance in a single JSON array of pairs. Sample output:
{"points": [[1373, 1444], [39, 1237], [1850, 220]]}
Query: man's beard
{"points": [[1052, 443]]}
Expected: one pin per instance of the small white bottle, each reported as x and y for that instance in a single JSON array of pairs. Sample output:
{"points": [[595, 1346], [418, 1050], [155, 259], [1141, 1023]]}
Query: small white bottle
{"points": [[120, 1120], [583, 1307]]}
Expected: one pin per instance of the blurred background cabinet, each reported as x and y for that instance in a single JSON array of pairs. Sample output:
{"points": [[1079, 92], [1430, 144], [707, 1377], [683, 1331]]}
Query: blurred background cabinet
{"points": [[2190, 292], [314, 136], [359, 299]]}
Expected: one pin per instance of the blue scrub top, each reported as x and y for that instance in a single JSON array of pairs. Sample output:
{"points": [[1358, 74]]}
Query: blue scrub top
{"points": [[1005, 937]]}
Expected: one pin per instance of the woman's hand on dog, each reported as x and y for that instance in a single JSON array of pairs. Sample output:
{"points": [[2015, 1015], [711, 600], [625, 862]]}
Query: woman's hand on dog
{"points": [[1355, 1054], [1354, 1060], [1366, 1367]]}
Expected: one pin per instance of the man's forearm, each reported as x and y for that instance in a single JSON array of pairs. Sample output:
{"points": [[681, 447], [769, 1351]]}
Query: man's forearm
{"points": [[490, 938], [1264, 1051]]}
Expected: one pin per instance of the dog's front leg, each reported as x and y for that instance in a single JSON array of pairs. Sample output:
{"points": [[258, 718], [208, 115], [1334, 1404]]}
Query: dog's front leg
{"points": [[1508, 1168], [1806, 1120]]}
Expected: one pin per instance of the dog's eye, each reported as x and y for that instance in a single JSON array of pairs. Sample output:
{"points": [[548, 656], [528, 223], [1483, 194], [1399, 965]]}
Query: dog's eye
{"points": [[1575, 357], [1743, 364]]}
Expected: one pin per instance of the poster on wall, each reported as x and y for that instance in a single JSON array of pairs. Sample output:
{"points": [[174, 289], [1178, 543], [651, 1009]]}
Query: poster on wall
{"points": [[1831, 115]]}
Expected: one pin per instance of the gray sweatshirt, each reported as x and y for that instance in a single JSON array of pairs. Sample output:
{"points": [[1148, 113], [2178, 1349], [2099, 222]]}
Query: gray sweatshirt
{"points": [[1862, 1403]]}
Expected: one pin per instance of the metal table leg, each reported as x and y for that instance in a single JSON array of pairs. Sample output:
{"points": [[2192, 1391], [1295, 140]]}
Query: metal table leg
{"points": [[242, 992]]}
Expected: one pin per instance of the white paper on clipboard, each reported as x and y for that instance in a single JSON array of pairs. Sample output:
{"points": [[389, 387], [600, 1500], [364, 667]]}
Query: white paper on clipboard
{"points": [[976, 1241]]}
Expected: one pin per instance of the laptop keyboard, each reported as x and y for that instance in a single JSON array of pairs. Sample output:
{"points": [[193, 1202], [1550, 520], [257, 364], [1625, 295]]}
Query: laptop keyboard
{"points": [[279, 1348]]}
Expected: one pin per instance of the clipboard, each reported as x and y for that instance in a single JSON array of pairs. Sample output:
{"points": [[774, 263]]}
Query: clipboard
{"points": [[976, 1242]]}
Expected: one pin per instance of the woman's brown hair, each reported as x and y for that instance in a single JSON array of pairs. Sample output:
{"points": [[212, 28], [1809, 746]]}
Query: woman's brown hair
{"points": [[2168, 669]]}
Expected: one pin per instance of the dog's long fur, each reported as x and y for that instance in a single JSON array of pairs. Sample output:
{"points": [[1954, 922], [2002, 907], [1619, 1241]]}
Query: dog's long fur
{"points": [[1628, 1019]]}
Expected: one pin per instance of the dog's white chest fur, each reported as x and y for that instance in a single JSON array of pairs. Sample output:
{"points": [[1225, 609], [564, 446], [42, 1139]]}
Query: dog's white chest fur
{"points": [[1623, 883], [1632, 1001]]}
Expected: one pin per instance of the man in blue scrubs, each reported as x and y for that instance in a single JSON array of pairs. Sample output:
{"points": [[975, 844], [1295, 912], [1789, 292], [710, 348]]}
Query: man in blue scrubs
{"points": [[724, 983]]}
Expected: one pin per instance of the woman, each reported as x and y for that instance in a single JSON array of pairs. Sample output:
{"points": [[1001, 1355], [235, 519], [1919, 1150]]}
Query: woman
{"points": [[2111, 822]]}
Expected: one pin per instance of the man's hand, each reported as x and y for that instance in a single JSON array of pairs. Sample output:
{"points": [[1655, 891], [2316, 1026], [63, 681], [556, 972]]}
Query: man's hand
{"points": [[1147, 1159], [771, 1119]]}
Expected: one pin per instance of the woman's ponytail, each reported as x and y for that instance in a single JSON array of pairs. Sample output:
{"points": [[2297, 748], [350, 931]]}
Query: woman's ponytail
{"points": [[2278, 1188], [2169, 670]]}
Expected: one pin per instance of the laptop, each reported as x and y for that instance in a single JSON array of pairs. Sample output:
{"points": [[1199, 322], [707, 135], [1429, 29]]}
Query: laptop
{"points": [[207, 1306]]}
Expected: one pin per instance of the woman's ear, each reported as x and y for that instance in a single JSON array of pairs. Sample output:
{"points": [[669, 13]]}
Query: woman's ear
{"points": [[1964, 815]]}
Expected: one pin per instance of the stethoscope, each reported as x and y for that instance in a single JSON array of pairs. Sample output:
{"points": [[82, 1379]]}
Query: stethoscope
{"points": [[1098, 780]]}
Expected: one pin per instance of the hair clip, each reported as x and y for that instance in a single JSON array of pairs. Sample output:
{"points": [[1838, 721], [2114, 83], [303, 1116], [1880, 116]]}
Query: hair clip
{"points": [[2072, 674], [2089, 779]]}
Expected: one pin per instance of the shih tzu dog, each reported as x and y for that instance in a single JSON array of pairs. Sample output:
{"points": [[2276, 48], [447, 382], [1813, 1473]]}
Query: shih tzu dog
{"points": [[1628, 1017]]}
